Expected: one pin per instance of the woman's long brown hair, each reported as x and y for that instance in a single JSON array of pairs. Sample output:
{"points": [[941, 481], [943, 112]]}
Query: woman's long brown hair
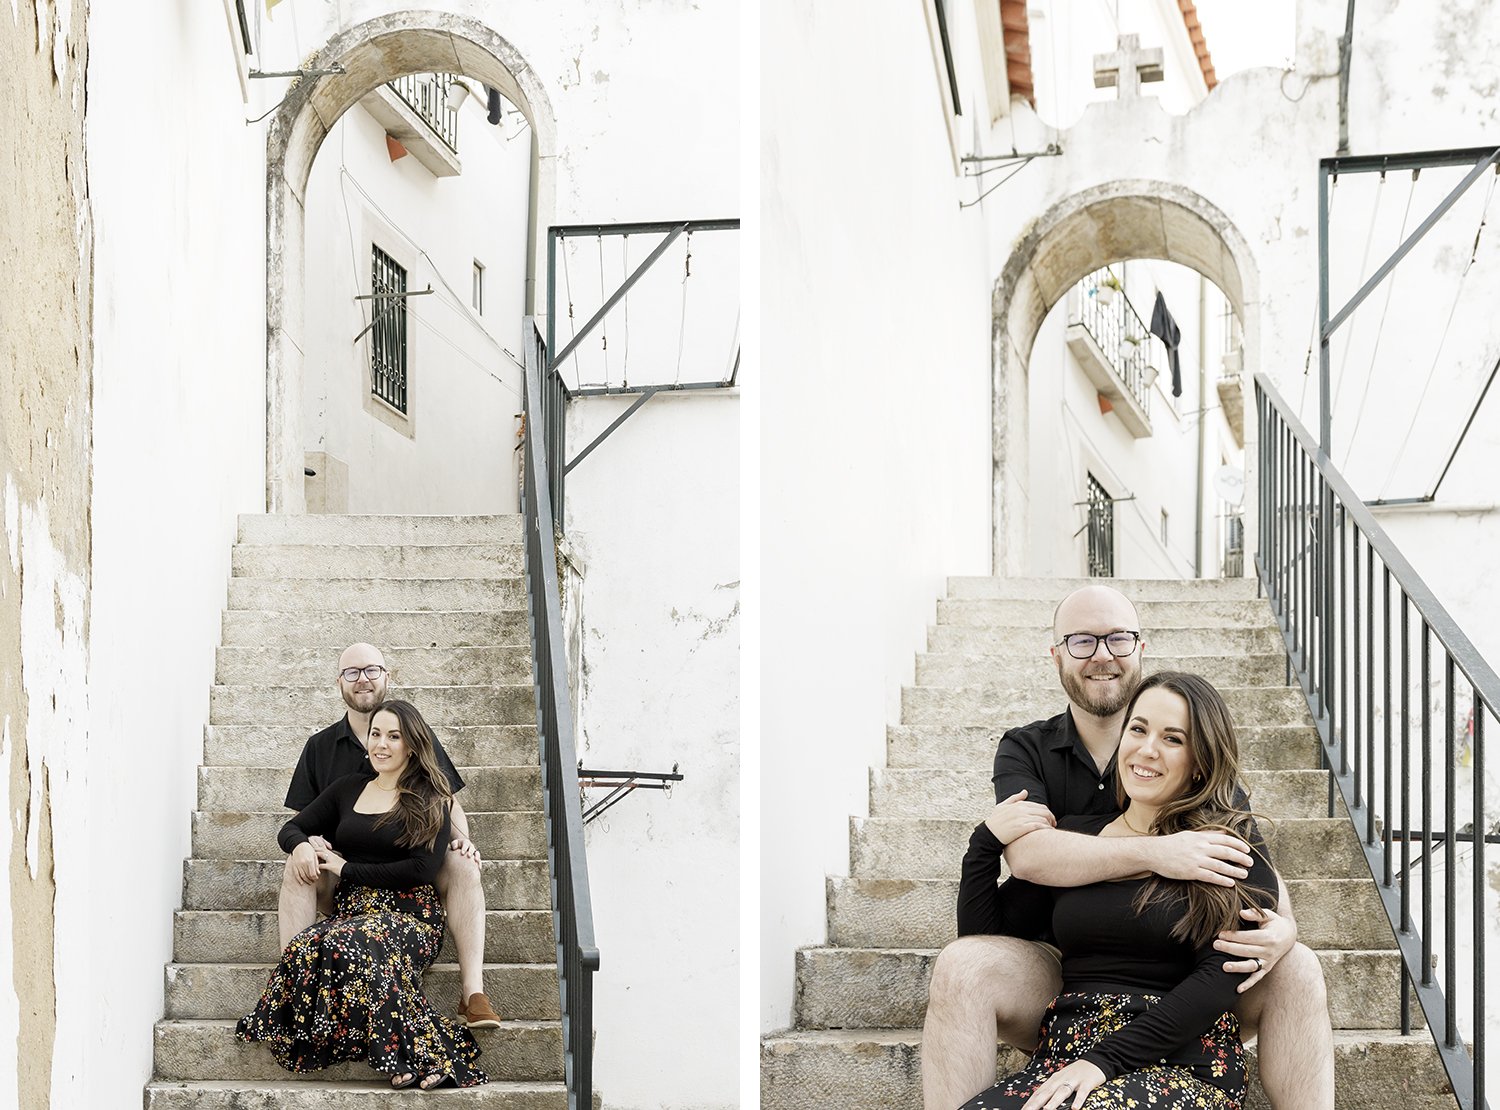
{"points": [[1208, 804], [423, 793]]}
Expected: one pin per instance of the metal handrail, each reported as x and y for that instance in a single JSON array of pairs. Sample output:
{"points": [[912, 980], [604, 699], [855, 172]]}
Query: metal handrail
{"points": [[1346, 643], [572, 908]]}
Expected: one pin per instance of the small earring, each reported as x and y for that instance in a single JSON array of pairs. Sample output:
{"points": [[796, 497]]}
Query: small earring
{"points": [[1198, 776]]}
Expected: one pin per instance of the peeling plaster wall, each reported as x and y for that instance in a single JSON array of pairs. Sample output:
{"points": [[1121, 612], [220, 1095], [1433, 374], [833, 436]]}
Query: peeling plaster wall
{"points": [[178, 189], [654, 525], [44, 578]]}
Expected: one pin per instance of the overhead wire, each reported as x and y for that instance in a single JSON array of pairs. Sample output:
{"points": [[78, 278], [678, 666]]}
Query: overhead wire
{"points": [[1390, 287], [1333, 192], [1364, 269], [1442, 340]]}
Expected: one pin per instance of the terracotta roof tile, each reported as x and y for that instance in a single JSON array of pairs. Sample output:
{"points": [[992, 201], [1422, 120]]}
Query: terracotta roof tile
{"points": [[1017, 28], [1200, 44]]}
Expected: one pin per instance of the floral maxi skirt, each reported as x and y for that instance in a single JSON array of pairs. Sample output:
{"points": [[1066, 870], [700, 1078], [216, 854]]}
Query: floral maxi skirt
{"points": [[1207, 1073], [350, 988]]}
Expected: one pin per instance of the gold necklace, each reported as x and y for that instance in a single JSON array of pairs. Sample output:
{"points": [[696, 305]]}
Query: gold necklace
{"points": [[1132, 828], [388, 789]]}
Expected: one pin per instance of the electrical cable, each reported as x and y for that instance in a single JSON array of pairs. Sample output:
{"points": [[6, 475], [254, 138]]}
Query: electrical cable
{"points": [[1333, 192], [687, 272], [1443, 339], [603, 296], [1379, 329], [625, 310], [1364, 270]]}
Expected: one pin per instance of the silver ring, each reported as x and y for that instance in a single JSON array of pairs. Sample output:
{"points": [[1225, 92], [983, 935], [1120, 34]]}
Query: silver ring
{"points": [[1260, 964]]}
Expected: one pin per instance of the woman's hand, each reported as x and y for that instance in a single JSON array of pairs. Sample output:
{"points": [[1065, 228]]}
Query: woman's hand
{"points": [[305, 863], [465, 847], [1259, 949], [331, 862], [1066, 1087], [1015, 817]]}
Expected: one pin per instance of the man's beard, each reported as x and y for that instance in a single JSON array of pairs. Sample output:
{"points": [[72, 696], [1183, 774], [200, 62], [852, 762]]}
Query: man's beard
{"points": [[362, 701], [1098, 700]]}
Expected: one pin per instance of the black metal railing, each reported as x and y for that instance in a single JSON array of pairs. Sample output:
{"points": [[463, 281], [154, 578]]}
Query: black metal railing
{"points": [[430, 96], [1101, 529], [1107, 314], [572, 909], [1402, 702]]}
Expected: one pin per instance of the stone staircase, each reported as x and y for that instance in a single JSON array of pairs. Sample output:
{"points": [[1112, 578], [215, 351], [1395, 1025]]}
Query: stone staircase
{"points": [[444, 598], [860, 999]]}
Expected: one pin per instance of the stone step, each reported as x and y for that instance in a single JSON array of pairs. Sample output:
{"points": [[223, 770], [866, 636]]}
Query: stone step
{"points": [[972, 747], [441, 706], [495, 664], [253, 937], [387, 627], [188, 1049], [881, 1070], [920, 913], [1053, 590], [250, 884], [1008, 639], [379, 561], [360, 530], [235, 834], [322, 595], [1025, 670], [881, 988], [928, 793], [1004, 707], [487, 789], [1189, 613], [521, 991], [933, 848], [374, 1094], [281, 745], [231, 834]]}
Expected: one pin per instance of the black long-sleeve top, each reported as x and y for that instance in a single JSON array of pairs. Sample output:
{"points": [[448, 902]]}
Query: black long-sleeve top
{"points": [[1107, 947], [372, 856]]}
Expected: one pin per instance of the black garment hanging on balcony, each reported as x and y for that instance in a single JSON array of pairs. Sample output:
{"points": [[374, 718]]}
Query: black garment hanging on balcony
{"points": [[1165, 328]]}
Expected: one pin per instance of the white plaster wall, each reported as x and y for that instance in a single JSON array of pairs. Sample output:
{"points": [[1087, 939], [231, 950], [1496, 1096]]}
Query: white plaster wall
{"points": [[653, 518], [177, 188], [1072, 438], [464, 384], [875, 428]]}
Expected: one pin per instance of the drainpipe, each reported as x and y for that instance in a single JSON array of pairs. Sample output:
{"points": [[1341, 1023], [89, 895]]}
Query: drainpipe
{"points": [[1202, 421]]}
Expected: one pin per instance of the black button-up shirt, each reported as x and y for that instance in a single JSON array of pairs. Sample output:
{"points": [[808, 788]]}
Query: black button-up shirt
{"points": [[1049, 761], [335, 752]]}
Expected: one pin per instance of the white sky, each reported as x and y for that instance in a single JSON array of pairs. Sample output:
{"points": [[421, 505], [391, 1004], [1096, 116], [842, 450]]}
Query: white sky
{"points": [[1243, 35]]}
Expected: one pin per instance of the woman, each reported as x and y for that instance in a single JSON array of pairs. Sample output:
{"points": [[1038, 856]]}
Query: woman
{"points": [[348, 987], [1143, 1019]]}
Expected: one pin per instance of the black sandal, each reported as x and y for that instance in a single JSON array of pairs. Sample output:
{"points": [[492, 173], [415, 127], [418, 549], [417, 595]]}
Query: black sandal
{"points": [[442, 1081], [409, 1081]]}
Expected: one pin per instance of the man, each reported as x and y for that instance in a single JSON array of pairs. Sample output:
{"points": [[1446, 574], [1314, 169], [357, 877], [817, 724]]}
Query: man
{"points": [[340, 750], [987, 986]]}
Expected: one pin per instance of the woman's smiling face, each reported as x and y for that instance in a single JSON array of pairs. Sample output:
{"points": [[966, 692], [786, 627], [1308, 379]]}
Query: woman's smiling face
{"points": [[1155, 761], [387, 747]]}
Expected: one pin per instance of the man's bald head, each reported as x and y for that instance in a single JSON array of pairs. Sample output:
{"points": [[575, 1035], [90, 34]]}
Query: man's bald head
{"points": [[1094, 608], [361, 655]]}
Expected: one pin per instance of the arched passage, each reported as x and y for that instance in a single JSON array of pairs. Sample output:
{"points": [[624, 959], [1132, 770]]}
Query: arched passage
{"points": [[1098, 227], [371, 53]]}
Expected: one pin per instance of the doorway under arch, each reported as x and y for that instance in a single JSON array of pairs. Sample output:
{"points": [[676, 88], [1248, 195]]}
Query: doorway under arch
{"points": [[371, 53], [1078, 235]]}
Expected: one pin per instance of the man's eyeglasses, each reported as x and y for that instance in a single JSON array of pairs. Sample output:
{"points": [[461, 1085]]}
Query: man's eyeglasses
{"points": [[372, 672], [1082, 645]]}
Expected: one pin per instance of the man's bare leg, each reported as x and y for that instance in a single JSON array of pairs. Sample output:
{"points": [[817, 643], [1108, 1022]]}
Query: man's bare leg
{"points": [[459, 886], [983, 990], [1288, 1011], [298, 903]]}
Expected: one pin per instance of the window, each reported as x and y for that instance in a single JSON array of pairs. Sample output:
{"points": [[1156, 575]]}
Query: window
{"points": [[478, 295], [388, 333], [1101, 529]]}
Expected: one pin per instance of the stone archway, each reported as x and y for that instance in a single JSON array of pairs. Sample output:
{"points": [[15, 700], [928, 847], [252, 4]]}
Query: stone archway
{"points": [[371, 53], [1098, 227]]}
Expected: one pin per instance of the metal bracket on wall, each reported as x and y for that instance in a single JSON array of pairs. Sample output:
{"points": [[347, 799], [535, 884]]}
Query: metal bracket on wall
{"points": [[375, 317], [622, 783]]}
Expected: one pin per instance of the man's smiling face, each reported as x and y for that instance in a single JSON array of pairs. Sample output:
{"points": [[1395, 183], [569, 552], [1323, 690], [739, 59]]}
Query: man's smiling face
{"points": [[1102, 684]]}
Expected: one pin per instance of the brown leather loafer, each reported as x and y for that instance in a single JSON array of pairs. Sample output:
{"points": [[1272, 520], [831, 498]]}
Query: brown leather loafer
{"points": [[477, 1013]]}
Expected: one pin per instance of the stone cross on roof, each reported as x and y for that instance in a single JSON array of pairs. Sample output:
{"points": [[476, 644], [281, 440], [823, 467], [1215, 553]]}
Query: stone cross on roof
{"points": [[1127, 66]]}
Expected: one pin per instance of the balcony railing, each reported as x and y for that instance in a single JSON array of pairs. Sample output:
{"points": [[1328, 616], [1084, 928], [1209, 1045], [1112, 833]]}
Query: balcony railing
{"points": [[1112, 344], [428, 95]]}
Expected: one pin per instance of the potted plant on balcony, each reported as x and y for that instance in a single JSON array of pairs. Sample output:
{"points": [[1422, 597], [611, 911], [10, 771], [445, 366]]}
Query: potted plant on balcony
{"points": [[1107, 288]]}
